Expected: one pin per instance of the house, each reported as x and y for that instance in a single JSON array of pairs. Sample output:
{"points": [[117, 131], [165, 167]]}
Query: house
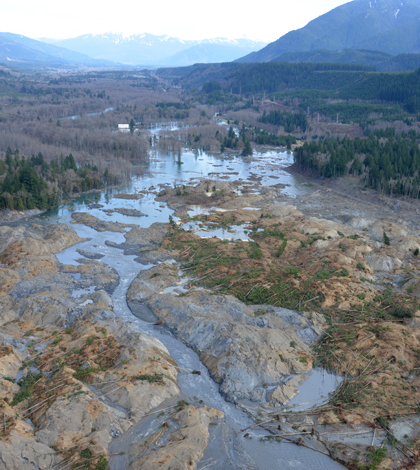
{"points": [[124, 128]]}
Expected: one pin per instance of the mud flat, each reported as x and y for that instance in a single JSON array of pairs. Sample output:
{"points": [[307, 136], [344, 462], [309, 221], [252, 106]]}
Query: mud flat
{"points": [[7, 215], [128, 196], [65, 354], [226, 335], [224, 362], [98, 224], [72, 375], [125, 211]]}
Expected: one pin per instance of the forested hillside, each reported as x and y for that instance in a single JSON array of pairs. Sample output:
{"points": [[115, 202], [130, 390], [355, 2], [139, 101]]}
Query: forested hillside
{"points": [[288, 120], [341, 80], [325, 81], [380, 61]]}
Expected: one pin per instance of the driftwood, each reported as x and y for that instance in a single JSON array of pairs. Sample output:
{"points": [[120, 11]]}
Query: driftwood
{"points": [[254, 426], [256, 285], [168, 408]]}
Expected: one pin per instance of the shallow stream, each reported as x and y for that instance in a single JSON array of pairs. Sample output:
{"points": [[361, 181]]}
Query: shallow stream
{"points": [[227, 449]]}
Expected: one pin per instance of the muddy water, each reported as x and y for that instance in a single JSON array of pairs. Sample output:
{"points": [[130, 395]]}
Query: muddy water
{"points": [[227, 449]]}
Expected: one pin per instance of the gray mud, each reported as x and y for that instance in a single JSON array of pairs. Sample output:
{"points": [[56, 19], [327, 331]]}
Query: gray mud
{"points": [[228, 447]]}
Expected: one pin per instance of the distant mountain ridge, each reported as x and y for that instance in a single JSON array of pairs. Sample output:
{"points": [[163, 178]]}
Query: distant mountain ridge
{"points": [[20, 51], [148, 49], [391, 26]]}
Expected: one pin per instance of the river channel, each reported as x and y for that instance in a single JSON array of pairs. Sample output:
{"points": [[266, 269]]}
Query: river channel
{"points": [[227, 449]]}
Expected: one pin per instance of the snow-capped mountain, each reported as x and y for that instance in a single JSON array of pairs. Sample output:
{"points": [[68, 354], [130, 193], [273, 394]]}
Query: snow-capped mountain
{"points": [[148, 49], [391, 26]]}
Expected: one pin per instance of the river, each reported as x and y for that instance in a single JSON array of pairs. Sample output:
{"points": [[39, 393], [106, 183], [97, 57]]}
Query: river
{"points": [[76, 116]]}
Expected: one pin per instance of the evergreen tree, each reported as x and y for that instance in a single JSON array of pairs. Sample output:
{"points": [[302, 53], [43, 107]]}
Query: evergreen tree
{"points": [[247, 150]]}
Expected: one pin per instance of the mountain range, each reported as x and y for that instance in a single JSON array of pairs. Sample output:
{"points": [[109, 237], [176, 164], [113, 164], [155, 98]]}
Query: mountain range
{"points": [[20, 51], [391, 26], [151, 50], [384, 34]]}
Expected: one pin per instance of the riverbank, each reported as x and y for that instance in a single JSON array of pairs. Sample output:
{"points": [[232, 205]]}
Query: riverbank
{"points": [[9, 216]]}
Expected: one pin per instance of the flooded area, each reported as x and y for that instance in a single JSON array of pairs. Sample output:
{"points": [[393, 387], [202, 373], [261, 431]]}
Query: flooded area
{"points": [[164, 171]]}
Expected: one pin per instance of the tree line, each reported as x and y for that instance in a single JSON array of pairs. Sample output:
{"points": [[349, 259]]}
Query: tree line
{"points": [[33, 183], [262, 137], [384, 161], [289, 121], [256, 135]]}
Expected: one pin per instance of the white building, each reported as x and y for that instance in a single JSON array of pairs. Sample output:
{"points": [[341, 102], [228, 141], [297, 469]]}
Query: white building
{"points": [[124, 128]]}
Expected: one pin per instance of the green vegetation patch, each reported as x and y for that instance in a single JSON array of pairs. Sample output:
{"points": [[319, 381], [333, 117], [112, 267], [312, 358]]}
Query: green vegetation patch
{"points": [[80, 373], [254, 251], [26, 384], [151, 378]]}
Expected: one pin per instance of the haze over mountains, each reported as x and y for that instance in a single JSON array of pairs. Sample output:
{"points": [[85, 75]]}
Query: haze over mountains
{"points": [[148, 49], [117, 50], [384, 34], [391, 26], [17, 51]]}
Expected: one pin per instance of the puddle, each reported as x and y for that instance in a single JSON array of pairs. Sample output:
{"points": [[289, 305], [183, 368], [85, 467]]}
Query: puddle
{"points": [[198, 210], [77, 293], [76, 276], [315, 390], [21, 373], [175, 290], [40, 347], [236, 232]]}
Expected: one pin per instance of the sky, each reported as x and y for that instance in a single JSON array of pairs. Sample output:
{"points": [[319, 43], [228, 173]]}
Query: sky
{"points": [[186, 19]]}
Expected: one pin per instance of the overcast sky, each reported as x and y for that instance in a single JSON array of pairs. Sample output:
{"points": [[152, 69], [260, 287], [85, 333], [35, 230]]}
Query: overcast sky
{"points": [[186, 19]]}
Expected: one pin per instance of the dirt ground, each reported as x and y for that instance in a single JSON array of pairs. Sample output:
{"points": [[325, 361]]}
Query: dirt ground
{"points": [[340, 199], [312, 254]]}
